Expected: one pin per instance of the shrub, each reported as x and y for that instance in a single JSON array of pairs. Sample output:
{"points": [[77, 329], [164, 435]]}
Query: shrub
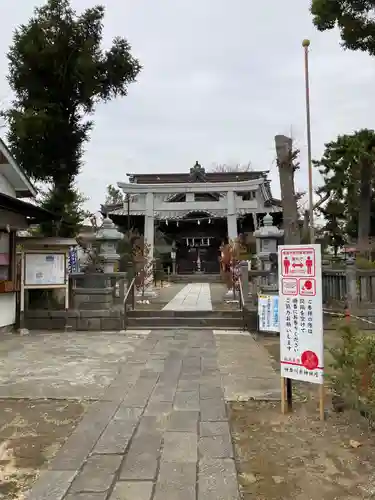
{"points": [[365, 264], [353, 369]]}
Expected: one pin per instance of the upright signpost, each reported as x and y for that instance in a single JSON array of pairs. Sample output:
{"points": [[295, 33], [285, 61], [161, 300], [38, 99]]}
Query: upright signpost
{"points": [[301, 317]]}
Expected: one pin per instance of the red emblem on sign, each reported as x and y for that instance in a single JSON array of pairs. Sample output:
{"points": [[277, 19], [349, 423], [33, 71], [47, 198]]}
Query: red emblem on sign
{"points": [[308, 285], [309, 360]]}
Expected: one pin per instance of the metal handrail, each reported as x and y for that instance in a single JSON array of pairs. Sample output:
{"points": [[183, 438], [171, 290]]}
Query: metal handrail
{"points": [[242, 304], [130, 288], [128, 291], [241, 301]]}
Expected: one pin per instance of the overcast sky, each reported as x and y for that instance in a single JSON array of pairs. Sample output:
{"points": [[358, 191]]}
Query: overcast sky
{"points": [[220, 79]]}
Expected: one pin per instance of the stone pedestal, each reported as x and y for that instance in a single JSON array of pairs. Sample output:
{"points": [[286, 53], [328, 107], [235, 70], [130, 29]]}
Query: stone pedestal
{"points": [[92, 298]]}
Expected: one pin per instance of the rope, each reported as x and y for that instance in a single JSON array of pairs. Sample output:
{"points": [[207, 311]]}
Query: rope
{"points": [[347, 315]]}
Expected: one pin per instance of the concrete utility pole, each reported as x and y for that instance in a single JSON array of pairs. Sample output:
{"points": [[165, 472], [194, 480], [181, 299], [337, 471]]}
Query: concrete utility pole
{"points": [[305, 45]]}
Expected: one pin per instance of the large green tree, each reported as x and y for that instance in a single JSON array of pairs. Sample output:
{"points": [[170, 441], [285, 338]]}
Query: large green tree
{"points": [[347, 166], [354, 18], [59, 72]]}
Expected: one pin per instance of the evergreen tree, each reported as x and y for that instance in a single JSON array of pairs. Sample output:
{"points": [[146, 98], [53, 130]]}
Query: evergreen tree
{"points": [[354, 18], [58, 73], [347, 166]]}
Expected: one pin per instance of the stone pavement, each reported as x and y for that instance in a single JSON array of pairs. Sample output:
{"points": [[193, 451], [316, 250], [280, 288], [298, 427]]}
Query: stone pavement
{"points": [[193, 297], [160, 430]]}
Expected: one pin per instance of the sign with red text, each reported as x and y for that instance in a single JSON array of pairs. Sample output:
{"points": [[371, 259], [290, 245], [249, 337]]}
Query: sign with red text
{"points": [[301, 313]]}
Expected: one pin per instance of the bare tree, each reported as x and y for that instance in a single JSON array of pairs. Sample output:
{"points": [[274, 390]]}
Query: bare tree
{"points": [[287, 164], [114, 196], [232, 167]]}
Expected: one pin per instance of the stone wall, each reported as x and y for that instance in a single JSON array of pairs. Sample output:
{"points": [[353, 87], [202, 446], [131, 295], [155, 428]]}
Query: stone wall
{"points": [[75, 320]]}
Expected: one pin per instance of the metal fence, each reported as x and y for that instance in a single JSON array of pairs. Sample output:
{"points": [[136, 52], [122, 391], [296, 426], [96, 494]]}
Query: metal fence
{"points": [[335, 286], [334, 283]]}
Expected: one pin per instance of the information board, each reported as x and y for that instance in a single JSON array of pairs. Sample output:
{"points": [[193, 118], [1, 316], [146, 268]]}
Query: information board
{"points": [[45, 269], [301, 313], [268, 313]]}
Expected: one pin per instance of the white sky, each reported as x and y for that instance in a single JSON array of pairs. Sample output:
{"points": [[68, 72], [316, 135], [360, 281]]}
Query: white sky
{"points": [[220, 79]]}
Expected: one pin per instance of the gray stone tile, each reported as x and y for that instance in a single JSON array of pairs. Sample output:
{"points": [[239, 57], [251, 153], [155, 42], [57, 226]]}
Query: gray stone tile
{"points": [[180, 447], [188, 373], [176, 481], [164, 392], [216, 447], [110, 463], [142, 466], [141, 392], [213, 410], [137, 398], [188, 385], [209, 392], [158, 409], [116, 437], [51, 485], [86, 496], [152, 424], [127, 413], [217, 480], [97, 474], [183, 421], [80, 443], [116, 391], [211, 381], [191, 363], [149, 374], [188, 400], [137, 490], [214, 429], [142, 459]]}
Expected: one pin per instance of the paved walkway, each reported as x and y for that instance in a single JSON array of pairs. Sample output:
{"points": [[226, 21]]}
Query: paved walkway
{"points": [[160, 430], [193, 297]]}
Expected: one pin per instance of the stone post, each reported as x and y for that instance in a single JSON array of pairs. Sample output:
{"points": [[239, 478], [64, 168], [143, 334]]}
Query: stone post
{"points": [[231, 216], [351, 283], [173, 257], [244, 277]]}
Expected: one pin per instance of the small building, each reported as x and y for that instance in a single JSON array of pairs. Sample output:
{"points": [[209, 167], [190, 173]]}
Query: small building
{"points": [[196, 211], [15, 214]]}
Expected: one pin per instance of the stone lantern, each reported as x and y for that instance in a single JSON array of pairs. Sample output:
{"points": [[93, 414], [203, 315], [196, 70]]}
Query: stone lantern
{"points": [[108, 236], [267, 238]]}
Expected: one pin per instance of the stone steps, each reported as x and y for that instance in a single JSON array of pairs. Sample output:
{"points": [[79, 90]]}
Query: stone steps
{"points": [[196, 278], [165, 313], [184, 319]]}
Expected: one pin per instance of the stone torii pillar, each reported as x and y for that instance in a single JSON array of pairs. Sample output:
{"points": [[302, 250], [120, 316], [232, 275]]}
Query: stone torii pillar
{"points": [[149, 240], [231, 216]]}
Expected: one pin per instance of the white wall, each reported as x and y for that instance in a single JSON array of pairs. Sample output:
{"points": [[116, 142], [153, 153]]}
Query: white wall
{"points": [[7, 309], [8, 300], [6, 187]]}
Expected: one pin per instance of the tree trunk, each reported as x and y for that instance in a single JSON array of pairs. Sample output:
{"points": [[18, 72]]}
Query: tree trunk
{"points": [[364, 213], [292, 233]]}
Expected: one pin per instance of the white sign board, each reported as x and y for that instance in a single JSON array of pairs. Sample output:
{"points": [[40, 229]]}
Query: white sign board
{"points": [[301, 313], [44, 269], [268, 313]]}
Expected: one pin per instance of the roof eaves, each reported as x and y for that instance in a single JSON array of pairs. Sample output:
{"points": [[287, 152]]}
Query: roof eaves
{"points": [[12, 162]]}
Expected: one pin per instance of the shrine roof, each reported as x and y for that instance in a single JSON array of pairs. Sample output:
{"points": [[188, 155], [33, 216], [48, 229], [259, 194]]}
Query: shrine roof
{"points": [[182, 178]]}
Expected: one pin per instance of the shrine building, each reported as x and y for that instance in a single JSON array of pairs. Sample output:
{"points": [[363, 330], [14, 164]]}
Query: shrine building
{"points": [[194, 213]]}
